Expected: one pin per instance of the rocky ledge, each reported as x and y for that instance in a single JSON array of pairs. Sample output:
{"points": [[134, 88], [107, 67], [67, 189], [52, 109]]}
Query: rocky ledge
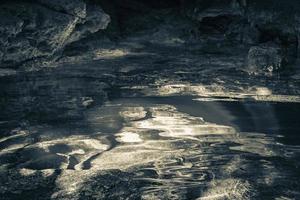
{"points": [[35, 31]]}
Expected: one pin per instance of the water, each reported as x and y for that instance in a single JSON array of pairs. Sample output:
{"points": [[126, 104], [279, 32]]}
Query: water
{"points": [[159, 148], [209, 150], [57, 142]]}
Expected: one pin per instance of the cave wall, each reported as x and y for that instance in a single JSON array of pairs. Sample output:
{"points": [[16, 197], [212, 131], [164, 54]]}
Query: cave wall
{"points": [[270, 29]]}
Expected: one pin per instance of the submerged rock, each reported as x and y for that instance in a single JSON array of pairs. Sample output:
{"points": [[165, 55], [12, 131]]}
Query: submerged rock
{"points": [[27, 184], [68, 184], [87, 184]]}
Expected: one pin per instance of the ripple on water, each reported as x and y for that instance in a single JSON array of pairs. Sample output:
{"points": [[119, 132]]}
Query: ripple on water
{"points": [[168, 153]]}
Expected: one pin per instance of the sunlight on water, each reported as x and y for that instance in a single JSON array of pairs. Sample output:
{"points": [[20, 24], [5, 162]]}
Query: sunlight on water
{"points": [[175, 153], [171, 154], [217, 90]]}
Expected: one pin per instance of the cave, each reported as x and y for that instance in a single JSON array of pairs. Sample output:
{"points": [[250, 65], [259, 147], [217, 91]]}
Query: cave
{"points": [[144, 99], [123, 12]]}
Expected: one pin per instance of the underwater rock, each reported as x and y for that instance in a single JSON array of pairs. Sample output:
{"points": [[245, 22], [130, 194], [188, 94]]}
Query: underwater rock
{"points": [[87, 184]]}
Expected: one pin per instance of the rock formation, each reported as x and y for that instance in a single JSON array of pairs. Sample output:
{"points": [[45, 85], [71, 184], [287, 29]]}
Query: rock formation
{"points": [[35, 30]]}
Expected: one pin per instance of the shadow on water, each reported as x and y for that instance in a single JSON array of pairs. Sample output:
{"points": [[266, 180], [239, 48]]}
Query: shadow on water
{"points": [[246, 116], [216, 163], [160, 148]]}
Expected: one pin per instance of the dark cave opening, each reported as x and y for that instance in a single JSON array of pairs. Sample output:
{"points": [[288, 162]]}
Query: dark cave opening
{"points": [[126, 15], [129, 16], [218, 24]]}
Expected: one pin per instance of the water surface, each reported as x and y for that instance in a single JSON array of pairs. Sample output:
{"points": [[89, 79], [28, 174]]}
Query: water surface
{"points": [[168, 148]]}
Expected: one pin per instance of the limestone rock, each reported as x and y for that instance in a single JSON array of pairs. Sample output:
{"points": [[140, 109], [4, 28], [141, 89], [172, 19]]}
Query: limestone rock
{"points": [[265, 58], [34, 30], [95, 20]]}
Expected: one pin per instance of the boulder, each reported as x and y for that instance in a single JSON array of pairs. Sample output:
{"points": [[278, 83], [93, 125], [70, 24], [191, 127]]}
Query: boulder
{"points": [[94, 21], [265, 59], [33, 30]]}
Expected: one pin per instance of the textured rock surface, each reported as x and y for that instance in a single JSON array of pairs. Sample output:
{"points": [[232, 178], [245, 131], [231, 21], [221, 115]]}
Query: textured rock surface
{"points": [[55, 184], [253, 23], [265, 58], [29, 31]]}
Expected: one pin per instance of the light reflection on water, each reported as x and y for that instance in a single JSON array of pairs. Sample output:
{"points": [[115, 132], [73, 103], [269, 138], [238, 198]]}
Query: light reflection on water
{"points": [[181, 156], [176, 148]]}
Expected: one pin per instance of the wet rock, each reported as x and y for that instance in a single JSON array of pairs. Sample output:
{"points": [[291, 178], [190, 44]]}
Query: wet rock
{"points": [[228, 189], [31, 31], [265, 59], [87, 184], [27, 184]]}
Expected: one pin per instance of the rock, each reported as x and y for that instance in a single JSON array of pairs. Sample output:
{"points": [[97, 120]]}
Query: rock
{"points": [[30, 31], [67, 184], [94, 21], [32, 37], [99, 184], [72, 7], [216, 18], [275, 22], [250, 22], [265, 59], [24, 183]]}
